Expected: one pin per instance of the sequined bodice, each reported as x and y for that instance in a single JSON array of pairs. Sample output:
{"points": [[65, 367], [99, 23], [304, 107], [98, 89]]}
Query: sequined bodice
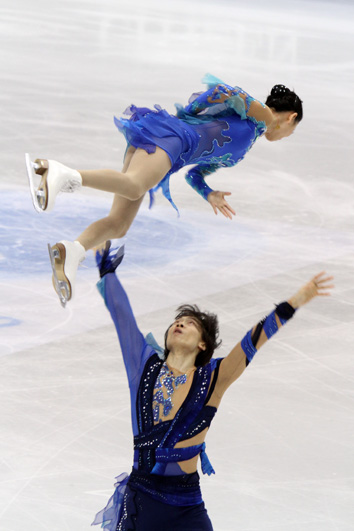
{"points": [[165, 386], [223, 142], [163, 444]]}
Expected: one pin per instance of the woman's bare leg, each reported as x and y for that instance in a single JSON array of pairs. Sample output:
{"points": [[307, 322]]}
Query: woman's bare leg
{"points": [[144, 171], [117, 223]]}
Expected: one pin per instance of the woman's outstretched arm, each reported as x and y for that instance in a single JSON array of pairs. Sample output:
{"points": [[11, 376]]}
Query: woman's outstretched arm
{"points": [[196, 179]]}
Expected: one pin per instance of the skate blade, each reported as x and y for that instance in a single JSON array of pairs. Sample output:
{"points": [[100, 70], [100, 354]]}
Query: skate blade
{"points": [[60, 282], [39, 196]]}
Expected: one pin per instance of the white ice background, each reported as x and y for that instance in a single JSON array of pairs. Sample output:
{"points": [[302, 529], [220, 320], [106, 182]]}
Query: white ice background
{"points": [[282, 442]]}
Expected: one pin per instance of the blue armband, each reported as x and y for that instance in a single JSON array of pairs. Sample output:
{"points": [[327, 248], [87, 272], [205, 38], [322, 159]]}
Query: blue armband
{"points": [[284, 312], [270, 325], [248, 347]]}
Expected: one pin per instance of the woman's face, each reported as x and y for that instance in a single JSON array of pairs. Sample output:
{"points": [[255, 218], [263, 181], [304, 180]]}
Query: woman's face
{"points": [[285, 127]]}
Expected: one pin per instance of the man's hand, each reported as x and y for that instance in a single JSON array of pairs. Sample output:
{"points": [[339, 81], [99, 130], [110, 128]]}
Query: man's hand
{"points": [[319, 286], [218, 202]]}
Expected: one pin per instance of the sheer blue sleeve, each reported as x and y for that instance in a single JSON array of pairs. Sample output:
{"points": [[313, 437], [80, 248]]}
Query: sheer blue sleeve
{"points": [[195, 178], [214, 96], [134, 348], [218, 99]]}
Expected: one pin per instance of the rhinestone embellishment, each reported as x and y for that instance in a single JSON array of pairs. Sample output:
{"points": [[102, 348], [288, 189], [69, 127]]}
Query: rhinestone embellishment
{"points": [[165, 386]]}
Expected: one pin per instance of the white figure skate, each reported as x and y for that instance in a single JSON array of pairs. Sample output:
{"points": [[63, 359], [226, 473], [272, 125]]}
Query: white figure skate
{"points": [[55, 178], [65, 258]]}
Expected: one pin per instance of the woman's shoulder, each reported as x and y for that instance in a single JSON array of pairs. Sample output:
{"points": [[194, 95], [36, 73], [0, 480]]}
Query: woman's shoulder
{"points": [[260, 112]]}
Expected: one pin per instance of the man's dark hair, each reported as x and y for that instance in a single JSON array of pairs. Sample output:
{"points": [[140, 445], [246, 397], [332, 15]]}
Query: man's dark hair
{"points": [[209, 327], [281, 98]]}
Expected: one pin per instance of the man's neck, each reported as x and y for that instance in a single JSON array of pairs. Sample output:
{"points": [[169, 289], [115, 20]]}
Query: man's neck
{"points": [[181, 361]]}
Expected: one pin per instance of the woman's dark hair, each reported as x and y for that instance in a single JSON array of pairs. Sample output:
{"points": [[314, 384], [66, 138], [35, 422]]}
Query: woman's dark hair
{"points": [[282, 99], [209, 328]]}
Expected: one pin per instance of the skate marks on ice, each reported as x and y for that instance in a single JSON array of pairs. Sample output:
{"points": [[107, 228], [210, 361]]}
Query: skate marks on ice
{"points": [[168, 261], [159, 244], [25, 234], [65, 420]]}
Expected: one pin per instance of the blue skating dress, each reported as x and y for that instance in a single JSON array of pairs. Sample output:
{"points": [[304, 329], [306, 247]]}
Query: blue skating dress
{"points": [[211, 132]]}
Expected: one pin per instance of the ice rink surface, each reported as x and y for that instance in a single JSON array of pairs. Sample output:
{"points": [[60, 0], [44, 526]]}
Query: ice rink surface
{"points": [[282, 442]]}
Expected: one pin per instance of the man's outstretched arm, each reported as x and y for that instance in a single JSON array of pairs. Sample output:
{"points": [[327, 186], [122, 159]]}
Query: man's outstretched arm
{"points": [[233, 365], [133, 345]]}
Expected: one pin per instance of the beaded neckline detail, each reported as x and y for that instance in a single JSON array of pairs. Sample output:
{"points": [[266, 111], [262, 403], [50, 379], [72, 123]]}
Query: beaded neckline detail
{"points": [[165, 386]]}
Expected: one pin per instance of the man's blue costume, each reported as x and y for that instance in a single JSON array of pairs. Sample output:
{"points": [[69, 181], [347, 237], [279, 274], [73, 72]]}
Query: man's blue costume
{"points": [[158, 492]]}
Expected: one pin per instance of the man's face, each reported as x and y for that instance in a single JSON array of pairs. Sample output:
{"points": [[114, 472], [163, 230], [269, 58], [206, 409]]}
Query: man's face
{"points": [[185, 333]]}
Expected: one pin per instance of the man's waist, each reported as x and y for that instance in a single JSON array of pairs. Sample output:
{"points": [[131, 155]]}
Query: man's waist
{"points": [[181, 490]]}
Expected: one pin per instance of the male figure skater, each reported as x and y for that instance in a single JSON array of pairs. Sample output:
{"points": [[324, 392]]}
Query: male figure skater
{"points": [[175, 394]]}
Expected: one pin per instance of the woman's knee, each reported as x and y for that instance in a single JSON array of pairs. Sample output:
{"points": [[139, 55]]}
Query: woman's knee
{"points": [[117, 226], [137, 188]]}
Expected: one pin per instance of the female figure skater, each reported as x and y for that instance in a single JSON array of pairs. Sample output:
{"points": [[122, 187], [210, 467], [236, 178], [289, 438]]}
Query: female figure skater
{"points": [[216, 129], [175, 394]]}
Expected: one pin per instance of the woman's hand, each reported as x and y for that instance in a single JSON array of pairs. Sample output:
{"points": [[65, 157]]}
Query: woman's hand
{"points": [[317, 287], [218, 202]]}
